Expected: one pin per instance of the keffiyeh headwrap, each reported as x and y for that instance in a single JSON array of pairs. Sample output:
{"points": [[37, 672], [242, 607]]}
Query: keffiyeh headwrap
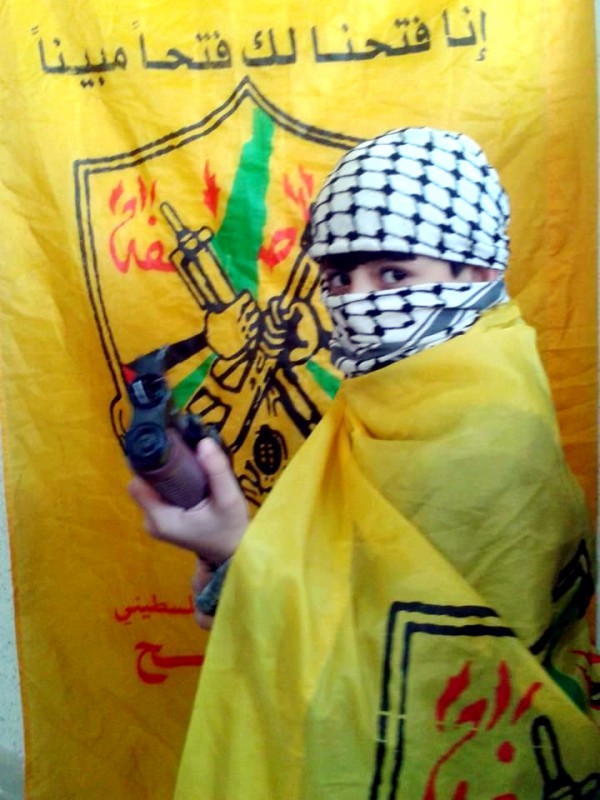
{"points": [[413, 190], [418, 191]]}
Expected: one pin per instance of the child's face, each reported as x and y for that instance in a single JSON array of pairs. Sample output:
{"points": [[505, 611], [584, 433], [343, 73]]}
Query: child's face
{"points": [[377, 274]]}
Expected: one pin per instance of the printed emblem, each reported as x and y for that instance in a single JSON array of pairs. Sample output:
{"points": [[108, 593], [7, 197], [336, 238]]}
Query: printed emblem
{"points": [[193, 242]]}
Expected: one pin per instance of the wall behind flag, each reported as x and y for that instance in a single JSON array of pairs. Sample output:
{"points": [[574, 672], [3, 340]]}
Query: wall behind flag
{"points": [[11, 724], [132, 128]]}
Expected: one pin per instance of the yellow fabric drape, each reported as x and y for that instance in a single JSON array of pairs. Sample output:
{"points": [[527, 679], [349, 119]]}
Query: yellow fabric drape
{"points": [[404, 617], [115, 115]]}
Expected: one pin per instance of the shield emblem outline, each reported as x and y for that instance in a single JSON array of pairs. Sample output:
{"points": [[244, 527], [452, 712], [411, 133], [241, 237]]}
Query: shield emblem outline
{"points": [[86, 169]]}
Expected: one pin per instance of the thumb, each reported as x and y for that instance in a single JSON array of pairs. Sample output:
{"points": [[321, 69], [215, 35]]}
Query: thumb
{"points": [[224, 487]]}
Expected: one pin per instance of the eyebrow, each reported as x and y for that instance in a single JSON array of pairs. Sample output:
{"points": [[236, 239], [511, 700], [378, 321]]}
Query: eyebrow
{"points": [[346, 262]]}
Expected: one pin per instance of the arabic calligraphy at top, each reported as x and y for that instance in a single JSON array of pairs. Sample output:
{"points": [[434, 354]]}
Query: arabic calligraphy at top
{"points": [[211, 50]]}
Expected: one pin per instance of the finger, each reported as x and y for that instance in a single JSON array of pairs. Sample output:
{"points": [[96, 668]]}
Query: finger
{"points": [[274, 337], [272, 327], [224, 488], [252, 323], [143, 494], [161, 518], [247, 304], [204, 621], [250, 315], [273, 314]]}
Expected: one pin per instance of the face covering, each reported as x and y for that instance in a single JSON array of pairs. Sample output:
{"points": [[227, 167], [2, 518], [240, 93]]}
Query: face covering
{"points": [[377, 328]]}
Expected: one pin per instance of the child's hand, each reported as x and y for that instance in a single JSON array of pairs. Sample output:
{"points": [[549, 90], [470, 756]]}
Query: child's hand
{"points": [[213, 528]]}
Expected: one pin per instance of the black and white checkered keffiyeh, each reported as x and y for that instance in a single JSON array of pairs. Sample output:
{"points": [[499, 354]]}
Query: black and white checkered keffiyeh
{"points": [[375, 329], [413, 190], [418, 191]]}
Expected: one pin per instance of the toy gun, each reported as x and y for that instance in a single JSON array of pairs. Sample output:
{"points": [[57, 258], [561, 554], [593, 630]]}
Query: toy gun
{"points": [[161, 440]]}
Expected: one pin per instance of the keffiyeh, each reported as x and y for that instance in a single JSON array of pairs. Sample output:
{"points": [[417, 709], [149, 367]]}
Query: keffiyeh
{"points": [[413, 190], [375, 329]]}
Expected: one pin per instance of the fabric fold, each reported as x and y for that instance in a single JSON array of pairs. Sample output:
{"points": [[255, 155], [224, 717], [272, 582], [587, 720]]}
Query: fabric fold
{"points": [[409, 603]]}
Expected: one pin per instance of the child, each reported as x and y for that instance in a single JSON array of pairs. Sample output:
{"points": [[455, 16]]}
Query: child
{"points": [[405, 617]]}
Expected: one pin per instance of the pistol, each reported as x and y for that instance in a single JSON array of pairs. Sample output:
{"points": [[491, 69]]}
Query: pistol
{"points": [[161, 440]]}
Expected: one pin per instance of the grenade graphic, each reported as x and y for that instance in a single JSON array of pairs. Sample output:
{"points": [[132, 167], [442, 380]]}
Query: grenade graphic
{"points": [[269, 450]]}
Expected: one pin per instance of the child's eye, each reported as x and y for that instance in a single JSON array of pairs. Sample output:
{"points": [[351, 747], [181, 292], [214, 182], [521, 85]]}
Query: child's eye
{"points": [[337, 281], [390, 276]]}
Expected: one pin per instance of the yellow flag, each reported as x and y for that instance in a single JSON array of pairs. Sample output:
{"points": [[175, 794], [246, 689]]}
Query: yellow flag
{"points": [[157, 164], [406, 617]]}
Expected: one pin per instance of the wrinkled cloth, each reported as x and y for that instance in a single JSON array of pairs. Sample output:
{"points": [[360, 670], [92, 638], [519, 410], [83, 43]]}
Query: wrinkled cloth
{"points": [[373, 329], [406, 615], [421, 190]]}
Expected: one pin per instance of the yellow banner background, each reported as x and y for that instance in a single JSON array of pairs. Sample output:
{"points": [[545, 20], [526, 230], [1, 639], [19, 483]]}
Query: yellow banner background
{"points": [[103, 120]]}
